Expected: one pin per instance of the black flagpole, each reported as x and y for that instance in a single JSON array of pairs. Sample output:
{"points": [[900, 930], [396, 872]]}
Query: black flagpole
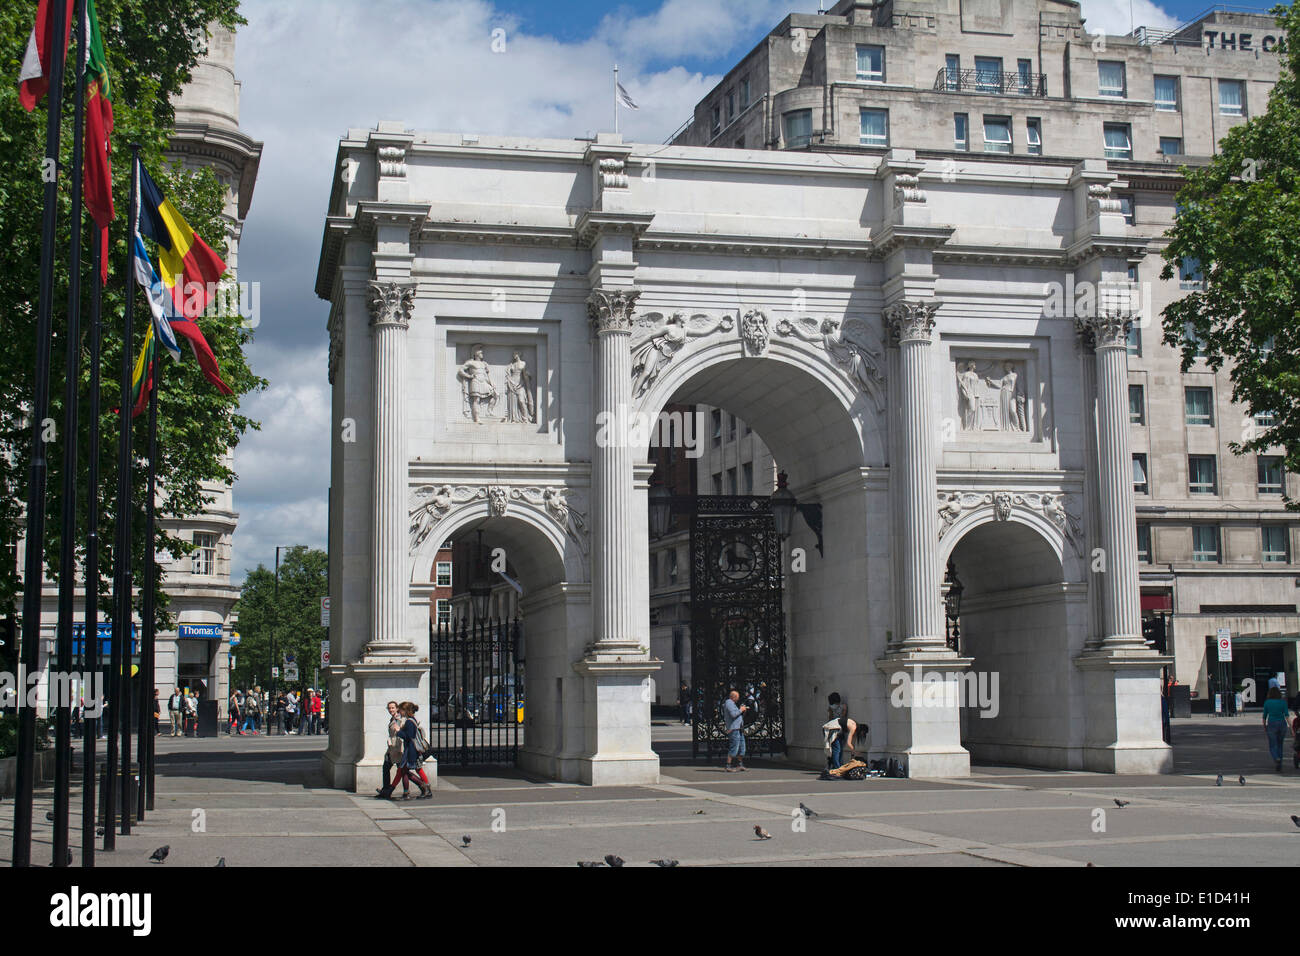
{"points": [[35, 536], [121, 547], [124, 515], [68, 534], [90, 727], [145, 744]]}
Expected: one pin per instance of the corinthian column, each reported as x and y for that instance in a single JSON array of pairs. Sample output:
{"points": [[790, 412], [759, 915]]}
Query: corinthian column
{"points": [[390, 315], [611, 474], [910, 324], [1108, 332]]}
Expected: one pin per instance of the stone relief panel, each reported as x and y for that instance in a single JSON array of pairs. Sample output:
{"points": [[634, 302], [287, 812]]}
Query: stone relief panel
{"points": [[657, 338], [496, 382], [1054, 507], [429, 504], [991, 396], [995, 397], [848, 345]]}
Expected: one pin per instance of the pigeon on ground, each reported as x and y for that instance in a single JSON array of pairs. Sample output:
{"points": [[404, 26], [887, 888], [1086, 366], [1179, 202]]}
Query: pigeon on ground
{"points": [[1218, 781], [664, 863], [613, 860], [160, 854], [1295, 819], [699, 813], [590, 863], [1122, 803], [1241, 779], [761, 833], [464, 840], [221, 862], [808, 811]]}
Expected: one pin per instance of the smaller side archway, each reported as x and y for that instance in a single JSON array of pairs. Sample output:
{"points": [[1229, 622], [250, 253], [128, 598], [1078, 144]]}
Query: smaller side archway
{"points": [[1022, 625]]}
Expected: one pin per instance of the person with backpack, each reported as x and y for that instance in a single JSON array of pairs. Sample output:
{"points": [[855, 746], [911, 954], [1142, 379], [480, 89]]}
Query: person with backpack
{"points": [[414, 746], [232, 726], [393, 753]]}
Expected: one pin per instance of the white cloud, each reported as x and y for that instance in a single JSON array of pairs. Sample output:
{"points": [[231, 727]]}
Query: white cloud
{"points": [[1113, 18]]}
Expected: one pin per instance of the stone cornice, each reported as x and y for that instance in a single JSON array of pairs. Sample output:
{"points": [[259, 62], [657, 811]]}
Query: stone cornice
{"points": [[230, 146], [1000, 255], [1133, 249], [484, 233], [743, 245], [892, 238], [594, 222], [372, 214]]}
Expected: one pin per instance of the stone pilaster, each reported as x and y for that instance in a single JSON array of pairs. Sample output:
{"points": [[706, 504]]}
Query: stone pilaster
{"points": [[390, 315], [910, 325], [1107, 333], [612, 551]]}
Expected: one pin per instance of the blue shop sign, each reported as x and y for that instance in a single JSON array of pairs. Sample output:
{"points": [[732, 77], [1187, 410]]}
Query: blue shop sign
{"points": [[105, 640], [211, 632]]}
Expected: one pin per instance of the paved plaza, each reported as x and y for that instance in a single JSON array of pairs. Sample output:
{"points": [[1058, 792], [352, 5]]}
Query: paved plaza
{"points": [[259, 801]]}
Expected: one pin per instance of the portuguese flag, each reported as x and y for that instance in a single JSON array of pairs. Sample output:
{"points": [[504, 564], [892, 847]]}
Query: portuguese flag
{"points": [[97, 177]]}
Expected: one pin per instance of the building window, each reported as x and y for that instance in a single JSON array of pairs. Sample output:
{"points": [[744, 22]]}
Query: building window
{"points": [[443, 610], [875, 128], [1140, 486], [1144, 543], [952, 71], [798, 128], [1111, 78], [1034, 136], [1024, 76], [1189, 274], [1190, 335], [205, 554], [1167, 93], [1275, 544], [1171, 145], [717, 427], [1201, 475], [654, 571], [731, 482], [1205, 542], [717, 483], [1134, 343], [960, 131], [1265, 348], [997, 134], [717, 119], [1232, 98], [1119, 145], [744, 93], [672, 566], [1126, 207], [1198, 404], [747, 470], [444, 574], [871, 63], [1265, 419], [731, 427], [446, 545], [1137, 413], [988, 74], [731, 105], [1270, 474]]}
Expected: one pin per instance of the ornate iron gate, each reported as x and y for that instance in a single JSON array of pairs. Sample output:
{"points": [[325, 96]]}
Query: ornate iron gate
{"points": [[476, 692], [737, 623]]}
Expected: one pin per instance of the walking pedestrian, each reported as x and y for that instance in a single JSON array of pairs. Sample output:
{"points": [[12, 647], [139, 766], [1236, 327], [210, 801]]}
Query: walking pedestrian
{"points": [[393, 753], [157, 713], [684, 702], [175, 710], [191, 714], [290, 711], [1275, 721], [252, 708], [317, 712], [733, 716], [414, 746]]}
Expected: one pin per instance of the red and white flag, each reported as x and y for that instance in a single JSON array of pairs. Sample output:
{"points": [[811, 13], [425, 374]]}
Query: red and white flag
{"points": [[34, 79]]}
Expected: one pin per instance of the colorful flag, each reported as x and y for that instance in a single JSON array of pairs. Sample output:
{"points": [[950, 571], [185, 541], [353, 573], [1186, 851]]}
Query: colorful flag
{"points": [[160, 303], [189, 268], [34, 77], [142, 375], [624, 98], [202, 352], [97, 175]]}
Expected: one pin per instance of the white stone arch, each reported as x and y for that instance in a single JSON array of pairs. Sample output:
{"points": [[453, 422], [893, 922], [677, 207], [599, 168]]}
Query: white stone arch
{"points": [[1069, 553], [563, 549], [715, 353]]}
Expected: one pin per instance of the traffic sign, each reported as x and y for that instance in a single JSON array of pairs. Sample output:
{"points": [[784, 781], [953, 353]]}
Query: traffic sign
{"points": [[275, 672], [291, 672], [324, 612], [1225, 644], [324, 653]]}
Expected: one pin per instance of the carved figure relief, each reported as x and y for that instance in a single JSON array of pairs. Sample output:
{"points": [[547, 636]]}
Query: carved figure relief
{"points": [[656, 339], [953, 504], [520, 406], [993, 401], [429, 504], [478, 394], [753, 332], [847, 348]]}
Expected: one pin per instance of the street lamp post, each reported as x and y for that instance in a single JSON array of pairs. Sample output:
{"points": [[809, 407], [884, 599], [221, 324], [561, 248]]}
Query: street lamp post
{"points": [[480, 589], [952, 605]]}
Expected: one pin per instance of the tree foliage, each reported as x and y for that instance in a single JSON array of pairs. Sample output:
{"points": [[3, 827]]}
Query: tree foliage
{"points": [[152, 46], [1239, 220], [292, 622]]}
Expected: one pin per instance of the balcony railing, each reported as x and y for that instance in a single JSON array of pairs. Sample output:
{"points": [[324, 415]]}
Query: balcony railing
{"points": [[990, 81]]}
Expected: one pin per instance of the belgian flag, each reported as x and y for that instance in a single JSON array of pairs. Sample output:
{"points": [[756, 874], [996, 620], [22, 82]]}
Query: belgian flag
{"points": [[188, 266]]}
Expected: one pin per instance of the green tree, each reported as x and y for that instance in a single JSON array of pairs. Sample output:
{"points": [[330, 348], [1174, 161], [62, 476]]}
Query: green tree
{"points": [[152, 46], [293, 621], [1238, 222]]}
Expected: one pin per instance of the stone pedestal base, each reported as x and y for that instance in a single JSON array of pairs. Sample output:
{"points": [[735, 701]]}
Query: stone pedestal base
{"points": [[616, 717], [359, 696], [925, 695], [1123, 732]]}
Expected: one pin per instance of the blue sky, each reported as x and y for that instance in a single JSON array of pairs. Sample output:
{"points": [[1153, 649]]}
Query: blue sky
{"points": [[429, 64]]}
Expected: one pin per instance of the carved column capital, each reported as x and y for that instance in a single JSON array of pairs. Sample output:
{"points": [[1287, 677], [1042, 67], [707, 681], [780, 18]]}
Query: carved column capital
{"points": [[911, 320], [611, 309], [391, 303], [1107, 329]]}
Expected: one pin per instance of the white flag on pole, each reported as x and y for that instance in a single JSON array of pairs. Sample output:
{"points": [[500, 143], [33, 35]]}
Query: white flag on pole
{"points": [[624, 99]]}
